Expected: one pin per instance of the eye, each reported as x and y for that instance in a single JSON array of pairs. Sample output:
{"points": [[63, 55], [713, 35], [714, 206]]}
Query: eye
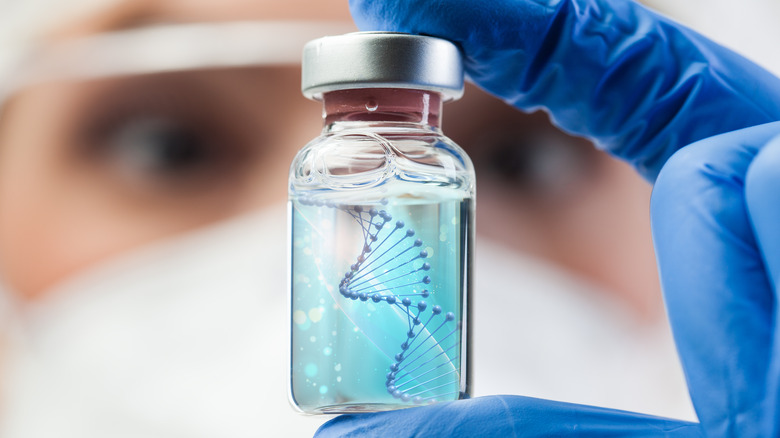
{"points": [[519, 154], [163, 134], [159, 147], [170, 152], [535, 162], [509, 159]]}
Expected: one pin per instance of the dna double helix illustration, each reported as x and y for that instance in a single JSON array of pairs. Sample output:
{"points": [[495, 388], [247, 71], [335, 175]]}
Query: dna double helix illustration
{"points": [[393, 269]]}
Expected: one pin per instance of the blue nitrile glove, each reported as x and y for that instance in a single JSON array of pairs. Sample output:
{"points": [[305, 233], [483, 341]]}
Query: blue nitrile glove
{"points": [[642, 87], [638, 84], [710, 241]]}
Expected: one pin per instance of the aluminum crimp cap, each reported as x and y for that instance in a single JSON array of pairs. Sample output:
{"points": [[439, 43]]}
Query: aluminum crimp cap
{"points": [[381, 60]]}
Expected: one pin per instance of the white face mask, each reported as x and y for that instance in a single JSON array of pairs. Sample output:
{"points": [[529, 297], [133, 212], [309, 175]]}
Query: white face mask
{"points": [[186, 338]]}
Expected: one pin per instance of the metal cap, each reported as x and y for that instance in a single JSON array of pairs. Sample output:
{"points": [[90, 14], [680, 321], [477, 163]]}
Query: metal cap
{"points": [[381, 60]]}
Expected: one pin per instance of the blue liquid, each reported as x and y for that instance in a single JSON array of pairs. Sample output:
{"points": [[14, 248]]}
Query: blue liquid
{"points": [[378, 302]]}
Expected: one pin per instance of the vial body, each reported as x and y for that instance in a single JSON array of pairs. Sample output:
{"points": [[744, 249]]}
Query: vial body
{"points": [[381, 240]]}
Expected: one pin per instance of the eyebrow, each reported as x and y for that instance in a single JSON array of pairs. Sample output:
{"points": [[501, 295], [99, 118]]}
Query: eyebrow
{"points": [[123, 15]]}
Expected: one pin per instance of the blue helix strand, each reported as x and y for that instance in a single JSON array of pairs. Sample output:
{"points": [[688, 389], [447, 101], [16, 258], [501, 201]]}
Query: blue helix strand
{"points": [[393, 268]]}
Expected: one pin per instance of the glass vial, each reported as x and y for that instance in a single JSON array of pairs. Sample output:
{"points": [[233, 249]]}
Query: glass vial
{"points": [[381, 209]]}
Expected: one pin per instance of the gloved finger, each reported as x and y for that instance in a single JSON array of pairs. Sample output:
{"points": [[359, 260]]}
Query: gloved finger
{"points": [[762, 192], [637, 83], [717, 292], [506, 416]]}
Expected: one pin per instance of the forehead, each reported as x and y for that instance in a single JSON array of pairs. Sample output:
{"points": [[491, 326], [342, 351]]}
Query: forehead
{"points": [[124, 14], [320, 9], [206, 10]]}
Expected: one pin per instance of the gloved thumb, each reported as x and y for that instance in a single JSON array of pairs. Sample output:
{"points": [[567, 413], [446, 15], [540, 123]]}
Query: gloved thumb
{"points": [[762, 195]]}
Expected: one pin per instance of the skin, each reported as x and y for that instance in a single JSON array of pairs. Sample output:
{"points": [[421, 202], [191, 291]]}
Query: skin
{"points": [[104, 202], [72, 195]]}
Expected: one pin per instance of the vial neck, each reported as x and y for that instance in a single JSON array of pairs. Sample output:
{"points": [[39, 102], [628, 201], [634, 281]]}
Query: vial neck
{"points": [[378, 105]]}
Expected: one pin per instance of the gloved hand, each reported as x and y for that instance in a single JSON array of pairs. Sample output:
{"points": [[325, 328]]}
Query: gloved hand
{"points": [[643, 88]]}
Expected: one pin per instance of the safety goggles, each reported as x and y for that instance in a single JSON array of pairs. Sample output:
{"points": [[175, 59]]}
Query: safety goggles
{"points": [[164, 48]]}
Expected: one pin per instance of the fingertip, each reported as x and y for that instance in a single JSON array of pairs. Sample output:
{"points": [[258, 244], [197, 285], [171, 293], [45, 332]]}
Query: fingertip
{"points": [[350, 425], [335, 427], [365, 424], [362, 16], [387, 16]]}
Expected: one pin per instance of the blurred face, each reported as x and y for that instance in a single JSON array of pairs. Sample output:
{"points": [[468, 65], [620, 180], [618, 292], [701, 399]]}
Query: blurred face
{"points": [[89, 170], [92, 169]]}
